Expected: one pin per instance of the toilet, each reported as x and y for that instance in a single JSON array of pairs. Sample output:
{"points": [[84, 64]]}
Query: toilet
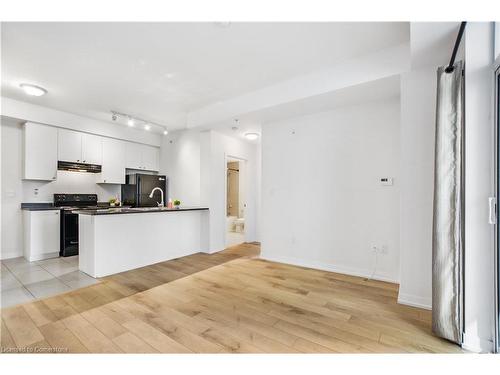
{"points": [[239, 225], [230, 223]]}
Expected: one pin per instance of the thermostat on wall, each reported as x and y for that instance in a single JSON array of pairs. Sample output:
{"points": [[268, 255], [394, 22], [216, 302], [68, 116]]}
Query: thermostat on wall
{"points": [[386, 181]]}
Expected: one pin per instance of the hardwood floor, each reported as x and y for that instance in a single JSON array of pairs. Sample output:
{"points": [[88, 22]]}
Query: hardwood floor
{"points": [[225, 302]]}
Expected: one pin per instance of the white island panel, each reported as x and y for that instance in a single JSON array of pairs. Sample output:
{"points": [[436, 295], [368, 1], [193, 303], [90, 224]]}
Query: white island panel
{"points": [[114, 243]]}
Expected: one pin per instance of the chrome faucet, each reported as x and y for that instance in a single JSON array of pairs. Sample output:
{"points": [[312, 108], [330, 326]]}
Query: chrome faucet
{"points": [[160, 204]]}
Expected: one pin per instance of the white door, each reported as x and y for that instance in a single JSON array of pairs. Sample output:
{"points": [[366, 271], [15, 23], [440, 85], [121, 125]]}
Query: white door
{"points": [[150, 158], [133, 156], [40, 152], [113, 162], [70, 146], [91, 149]]}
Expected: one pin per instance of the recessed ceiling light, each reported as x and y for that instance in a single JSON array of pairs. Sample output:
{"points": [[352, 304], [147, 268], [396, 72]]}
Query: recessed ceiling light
{"points": [[147, 127], [165, 132], [251, 136], [130, 122], [33, 90]]}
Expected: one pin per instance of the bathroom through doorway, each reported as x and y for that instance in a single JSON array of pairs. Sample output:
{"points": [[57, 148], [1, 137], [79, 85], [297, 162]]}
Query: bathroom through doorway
{"points": [[235, 201]]}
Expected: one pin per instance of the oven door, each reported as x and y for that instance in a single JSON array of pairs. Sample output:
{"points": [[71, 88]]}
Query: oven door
{"points": [[69, 234]]}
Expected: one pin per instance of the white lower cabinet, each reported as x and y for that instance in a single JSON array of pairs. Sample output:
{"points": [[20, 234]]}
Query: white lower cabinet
{"points": [[41, 234], [113, 162]]}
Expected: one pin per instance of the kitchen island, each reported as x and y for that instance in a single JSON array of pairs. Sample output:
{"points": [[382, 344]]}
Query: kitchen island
{"points": [[118, 239]]}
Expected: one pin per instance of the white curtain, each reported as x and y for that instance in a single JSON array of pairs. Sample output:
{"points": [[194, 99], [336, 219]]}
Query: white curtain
{"points": [[448, 233]]}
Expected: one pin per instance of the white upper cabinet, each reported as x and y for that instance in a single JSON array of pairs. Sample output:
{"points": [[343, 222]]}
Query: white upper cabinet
{"points": [[79, 147], [70, 146], [133, 156], [151, 158], [40, 152], [91, 149], [142, 157], [113, 162]]}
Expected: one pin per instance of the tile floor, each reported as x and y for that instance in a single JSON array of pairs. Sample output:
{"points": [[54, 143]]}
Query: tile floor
{"points": [[23, 281]]}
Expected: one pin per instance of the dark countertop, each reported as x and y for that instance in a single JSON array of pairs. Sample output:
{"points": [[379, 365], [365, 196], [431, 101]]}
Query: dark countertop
{"points": [[44, 206], [38, 206], [135, 210]]}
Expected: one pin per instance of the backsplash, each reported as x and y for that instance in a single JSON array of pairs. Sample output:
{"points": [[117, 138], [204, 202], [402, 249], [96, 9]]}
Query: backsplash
{"points": [[68, 182]]}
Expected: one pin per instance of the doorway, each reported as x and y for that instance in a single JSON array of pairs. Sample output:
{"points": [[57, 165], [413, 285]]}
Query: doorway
{"points": [[235, 201]]}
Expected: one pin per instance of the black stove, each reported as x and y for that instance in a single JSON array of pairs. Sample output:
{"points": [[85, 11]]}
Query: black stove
{"points": [[69, 220]]}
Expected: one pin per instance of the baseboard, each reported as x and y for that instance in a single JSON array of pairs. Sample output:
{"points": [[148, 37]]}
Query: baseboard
{"points": [[328, 267], [11, 254], [415, 301], [476, 344]]}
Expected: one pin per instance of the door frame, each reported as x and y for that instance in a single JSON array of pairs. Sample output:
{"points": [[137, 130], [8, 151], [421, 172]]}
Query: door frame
{"points": [[229, 157], [496, 108]]}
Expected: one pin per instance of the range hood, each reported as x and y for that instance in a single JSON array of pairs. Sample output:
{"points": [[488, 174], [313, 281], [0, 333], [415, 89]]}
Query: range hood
{"points": [[78, 167]]}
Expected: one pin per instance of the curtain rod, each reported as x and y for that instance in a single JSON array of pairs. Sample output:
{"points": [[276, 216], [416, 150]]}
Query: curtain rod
{"points": [[449, 68]]}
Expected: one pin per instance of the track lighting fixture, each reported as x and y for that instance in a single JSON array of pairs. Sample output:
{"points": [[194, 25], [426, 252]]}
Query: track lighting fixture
{"points": [[133, 121]]}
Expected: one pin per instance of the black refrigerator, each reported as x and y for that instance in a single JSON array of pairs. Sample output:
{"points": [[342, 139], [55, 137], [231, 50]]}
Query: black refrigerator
{"points": [[138, 186]]}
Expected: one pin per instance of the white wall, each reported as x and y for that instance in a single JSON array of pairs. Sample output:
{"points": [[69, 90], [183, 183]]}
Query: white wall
{"points": [[215, 149], [418, 108], [195, 163], [479, 135], [322, 202], [15, 190], [180, 162], [35, 113], [497, 40]]}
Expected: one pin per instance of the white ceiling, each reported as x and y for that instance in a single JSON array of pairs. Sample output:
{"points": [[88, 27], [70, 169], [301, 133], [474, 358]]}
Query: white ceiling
{"points": [[373, 91], [161, 71]]}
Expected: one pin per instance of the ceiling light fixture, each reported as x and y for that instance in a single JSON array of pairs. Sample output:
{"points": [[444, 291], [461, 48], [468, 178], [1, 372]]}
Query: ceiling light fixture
{"points": [[32, 90], [133, 121], [251, 136]]}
